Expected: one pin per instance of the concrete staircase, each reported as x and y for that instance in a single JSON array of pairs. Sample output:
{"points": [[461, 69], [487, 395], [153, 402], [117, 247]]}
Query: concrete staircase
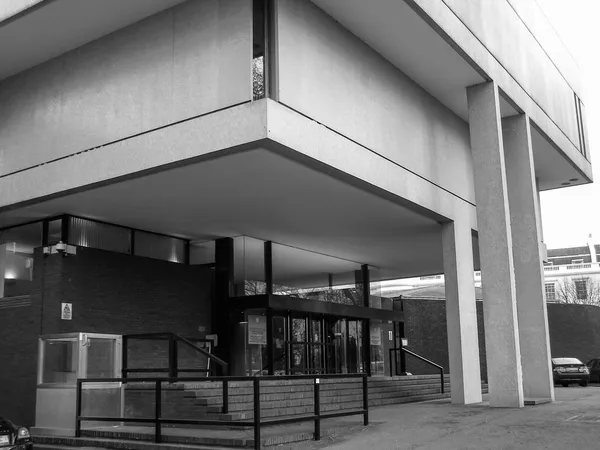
{"points": [[278, 399]]}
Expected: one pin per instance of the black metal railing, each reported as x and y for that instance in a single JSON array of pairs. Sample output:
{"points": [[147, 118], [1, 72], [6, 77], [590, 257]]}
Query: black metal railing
{"points": [[173, 370], [402, 350], [256, 423]]}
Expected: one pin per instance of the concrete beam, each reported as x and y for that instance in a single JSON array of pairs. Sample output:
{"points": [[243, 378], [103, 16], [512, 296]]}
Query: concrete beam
{"points": [[529, 276], [495, 247]]}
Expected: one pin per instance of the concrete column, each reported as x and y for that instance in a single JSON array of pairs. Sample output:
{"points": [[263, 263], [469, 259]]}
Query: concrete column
{"points": [[529, 274], [461, 313], [495, 248]]}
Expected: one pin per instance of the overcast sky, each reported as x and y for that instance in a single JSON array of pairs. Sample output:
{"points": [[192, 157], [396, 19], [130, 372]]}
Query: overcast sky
{"points": [[569, 215]]}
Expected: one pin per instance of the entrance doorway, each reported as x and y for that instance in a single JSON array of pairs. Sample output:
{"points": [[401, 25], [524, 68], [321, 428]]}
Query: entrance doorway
{"points": [[306, 343]]}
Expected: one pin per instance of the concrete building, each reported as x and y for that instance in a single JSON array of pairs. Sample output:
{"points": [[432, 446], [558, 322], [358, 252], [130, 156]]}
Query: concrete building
{"points": [[205, 166]]}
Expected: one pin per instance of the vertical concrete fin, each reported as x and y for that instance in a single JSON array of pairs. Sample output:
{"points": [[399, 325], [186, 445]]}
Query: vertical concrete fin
{"points": [[495, 245]]}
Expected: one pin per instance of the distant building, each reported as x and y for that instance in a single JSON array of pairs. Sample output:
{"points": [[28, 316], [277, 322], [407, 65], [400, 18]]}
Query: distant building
{"points": [[571, 275]]}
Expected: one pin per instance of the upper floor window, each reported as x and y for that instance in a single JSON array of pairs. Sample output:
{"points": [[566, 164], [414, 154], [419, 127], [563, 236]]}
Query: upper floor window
{"points": [[550, 292], [580, 114], [581, 288]]}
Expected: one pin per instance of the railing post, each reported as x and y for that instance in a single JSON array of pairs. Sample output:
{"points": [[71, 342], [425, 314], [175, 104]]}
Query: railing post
{"points": [[442, 376], [256, 413], [225, 396], [124, 356], [317, 402], [172, 357], [157, 412], [365, 383], [78, 409]]}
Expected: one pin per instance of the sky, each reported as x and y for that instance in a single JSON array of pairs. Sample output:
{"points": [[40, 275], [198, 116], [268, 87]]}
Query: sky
{"points": [[569, 215]]}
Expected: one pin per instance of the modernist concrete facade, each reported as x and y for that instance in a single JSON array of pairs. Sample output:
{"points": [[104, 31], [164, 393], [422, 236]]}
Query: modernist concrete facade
{"points": [[380, 139]]}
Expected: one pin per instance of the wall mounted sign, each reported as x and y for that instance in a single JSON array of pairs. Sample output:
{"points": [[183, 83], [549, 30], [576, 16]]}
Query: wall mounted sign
{"points": [[257, 330], [66, 311]]}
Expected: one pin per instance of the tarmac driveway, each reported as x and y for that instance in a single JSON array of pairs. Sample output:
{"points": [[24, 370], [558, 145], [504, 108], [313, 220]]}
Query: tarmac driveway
{"points": [[571, 422]]}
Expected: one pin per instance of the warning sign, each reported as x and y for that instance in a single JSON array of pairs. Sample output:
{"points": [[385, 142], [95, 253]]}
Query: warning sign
{"points": [[66, 311]]}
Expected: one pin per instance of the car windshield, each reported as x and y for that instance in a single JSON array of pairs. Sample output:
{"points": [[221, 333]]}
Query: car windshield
{"points": [[561, 361]]}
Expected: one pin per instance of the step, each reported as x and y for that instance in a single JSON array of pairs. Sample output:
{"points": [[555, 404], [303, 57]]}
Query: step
{"points": [[117, 443]]}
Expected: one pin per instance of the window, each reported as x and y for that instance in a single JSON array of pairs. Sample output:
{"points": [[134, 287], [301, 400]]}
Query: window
{"points": [[577, 261], [581, 288], [580, 113], [550, 292], [89, 233]]}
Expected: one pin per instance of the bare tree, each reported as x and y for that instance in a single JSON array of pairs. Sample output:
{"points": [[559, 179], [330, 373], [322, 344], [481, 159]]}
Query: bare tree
{"points": [[581, 291]]}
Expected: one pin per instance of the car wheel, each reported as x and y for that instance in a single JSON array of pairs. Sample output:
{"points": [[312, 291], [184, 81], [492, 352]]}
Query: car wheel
{"points": [[583, 384], [565, 384]]}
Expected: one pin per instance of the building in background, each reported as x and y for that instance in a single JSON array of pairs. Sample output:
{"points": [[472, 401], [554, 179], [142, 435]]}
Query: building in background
{"points": [[571, 275], [254, 169]]}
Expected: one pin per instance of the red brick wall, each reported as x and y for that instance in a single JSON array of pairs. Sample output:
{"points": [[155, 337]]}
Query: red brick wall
{"points": [[111, 293]]}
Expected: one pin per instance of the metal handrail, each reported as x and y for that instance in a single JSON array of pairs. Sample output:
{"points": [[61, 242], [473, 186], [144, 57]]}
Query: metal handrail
{"points": [[173, 369], [405, 350], [256, 422]]}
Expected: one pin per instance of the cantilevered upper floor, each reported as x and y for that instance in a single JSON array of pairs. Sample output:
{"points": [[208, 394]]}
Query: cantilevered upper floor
{"points": [[374, 90]]}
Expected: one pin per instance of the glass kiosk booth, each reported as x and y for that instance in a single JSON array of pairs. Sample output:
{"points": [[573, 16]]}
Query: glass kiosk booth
{"points": [[62, 359]]}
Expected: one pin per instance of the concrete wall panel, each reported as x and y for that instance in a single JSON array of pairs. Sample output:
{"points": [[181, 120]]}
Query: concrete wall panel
{"points": [[331, 76], [180, 63], [522, 56]]}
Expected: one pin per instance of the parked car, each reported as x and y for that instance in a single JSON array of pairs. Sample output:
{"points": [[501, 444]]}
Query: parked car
{"points": [[594, 368], [14, 437], [570, 370]]}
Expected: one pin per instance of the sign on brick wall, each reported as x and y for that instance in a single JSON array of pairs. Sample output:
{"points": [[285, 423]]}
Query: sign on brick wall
{"points": [[66, 311]]}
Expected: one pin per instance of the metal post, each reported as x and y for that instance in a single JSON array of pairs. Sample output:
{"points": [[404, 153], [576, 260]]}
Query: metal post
{"points": [[366, 282], [442, 376], [268, 261], [365, 383], [391, 350], [157, 412], [257, 413], [124, 357], [317, 402], [78, 409], [270, 343], [172, 357], [225, 396]]}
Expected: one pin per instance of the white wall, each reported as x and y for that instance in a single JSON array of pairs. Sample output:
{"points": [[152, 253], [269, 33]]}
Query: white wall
{"points": [[499, 27], [334, 78], [180, 63]]}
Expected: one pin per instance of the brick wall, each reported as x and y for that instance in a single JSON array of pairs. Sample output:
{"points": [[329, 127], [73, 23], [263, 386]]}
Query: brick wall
{"points": [[111, 293], [425, 329], [574, 331]]}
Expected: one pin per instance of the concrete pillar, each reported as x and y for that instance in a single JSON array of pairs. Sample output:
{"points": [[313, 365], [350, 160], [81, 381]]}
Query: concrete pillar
{"points": [[495, 248], [461, 313], [529, 274]]}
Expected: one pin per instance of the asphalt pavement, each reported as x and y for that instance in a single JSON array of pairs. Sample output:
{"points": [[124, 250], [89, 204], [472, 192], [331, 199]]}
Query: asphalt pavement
{"points": [[571, 422]]}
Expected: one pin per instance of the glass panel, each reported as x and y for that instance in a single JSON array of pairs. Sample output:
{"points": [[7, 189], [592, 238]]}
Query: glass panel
{"points": [[304, 274], [257, 361], [61, 359], [316, 349], [355, 360], [279, 345], [377, 349], [336, 341], [101, 358], [159, 247], [202, 253], [298, 345], [249, 263], [88, 233], [16, 259], [54, 231]]}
